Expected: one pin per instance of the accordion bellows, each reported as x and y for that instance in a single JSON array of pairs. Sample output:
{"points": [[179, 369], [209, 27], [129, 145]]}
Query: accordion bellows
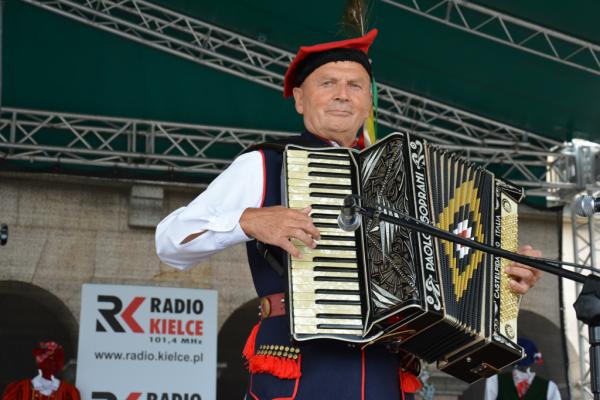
{"points": [[440, 301]]}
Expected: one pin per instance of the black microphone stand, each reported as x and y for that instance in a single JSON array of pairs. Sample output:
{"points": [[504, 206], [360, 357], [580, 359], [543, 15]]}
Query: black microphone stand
{"points": [[587, 306]]}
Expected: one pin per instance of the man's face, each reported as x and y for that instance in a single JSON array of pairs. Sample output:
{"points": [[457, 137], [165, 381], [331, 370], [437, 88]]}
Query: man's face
{"points": [[335, 100]]}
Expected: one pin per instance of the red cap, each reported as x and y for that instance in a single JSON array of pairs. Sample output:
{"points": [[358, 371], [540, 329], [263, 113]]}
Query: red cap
{"points": [[49, 357], [360, 43]]}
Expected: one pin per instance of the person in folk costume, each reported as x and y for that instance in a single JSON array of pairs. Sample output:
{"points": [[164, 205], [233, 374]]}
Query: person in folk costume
{"points": [[522, 383], [49, 358], [332, 87]]}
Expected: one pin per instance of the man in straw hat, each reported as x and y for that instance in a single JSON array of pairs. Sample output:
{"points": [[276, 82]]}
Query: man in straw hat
{"points": [[332, 89]]}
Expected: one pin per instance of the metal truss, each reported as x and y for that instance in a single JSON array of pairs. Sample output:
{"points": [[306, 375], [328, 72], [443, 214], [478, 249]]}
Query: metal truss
{"points": [[98, 141], [508, 30], [86, 140], [250, 59], [586, 247]]}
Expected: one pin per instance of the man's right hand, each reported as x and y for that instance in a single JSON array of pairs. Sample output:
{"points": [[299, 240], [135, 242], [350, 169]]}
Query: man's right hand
{"points": [[277, 225]]}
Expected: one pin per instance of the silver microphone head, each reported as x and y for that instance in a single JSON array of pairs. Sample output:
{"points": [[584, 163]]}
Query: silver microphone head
{"points": [[349, 223], [584, 206]]}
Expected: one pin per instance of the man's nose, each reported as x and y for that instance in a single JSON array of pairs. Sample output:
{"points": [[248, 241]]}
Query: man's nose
{"points": [[341, 93]]}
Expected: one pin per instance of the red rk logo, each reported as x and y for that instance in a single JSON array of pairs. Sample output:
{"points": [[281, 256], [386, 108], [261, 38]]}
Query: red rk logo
{"points": [[110, 314]]}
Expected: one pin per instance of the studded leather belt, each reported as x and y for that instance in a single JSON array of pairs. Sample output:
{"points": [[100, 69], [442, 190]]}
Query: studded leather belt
{"points": [[272, 305]]}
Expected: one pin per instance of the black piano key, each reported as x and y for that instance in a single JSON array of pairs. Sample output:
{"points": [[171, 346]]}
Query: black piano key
{"points": [[337, 291], [328, 195], [339, 316], [335, 279], [318, 185], [334, 247], [338, 302], [334, 269], [339, 326], [334, 259], [324, 216], [329, 174], [343, 157], [325, 207], [326, 225], [337, 237]]}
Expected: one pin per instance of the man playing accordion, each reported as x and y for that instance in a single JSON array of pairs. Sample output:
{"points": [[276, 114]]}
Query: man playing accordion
{"points": [[331, 87]]}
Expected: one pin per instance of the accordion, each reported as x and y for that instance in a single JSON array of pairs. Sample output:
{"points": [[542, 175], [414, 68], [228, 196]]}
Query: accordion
{"points": [[438, 300]]}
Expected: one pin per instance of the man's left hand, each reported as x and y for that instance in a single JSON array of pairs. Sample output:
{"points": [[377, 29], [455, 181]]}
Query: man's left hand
{"points": [[522, 276]]}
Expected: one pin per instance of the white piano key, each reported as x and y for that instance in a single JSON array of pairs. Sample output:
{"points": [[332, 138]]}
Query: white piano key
{"points": [[308, 253], [310, 190], [300, 200], [312, 330], [296, 263], [300, 285], [313, 297], [309, 309], [315, 321], [305, 169], [320, 179], [305, 272]]}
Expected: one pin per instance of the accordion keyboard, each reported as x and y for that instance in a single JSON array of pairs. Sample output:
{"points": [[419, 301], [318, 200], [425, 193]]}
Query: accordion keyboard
{"points": [[325, 281]]}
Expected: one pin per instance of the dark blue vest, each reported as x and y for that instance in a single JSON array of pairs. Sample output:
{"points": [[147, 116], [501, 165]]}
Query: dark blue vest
{"points": [[330, 369]]}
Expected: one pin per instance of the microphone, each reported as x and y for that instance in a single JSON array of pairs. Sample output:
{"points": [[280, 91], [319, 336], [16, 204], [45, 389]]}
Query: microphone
{"points": [[586, 206], [349, 219]]}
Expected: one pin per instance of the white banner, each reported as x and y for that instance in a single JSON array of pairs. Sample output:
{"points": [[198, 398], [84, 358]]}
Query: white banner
{"points": [[147, 343]]}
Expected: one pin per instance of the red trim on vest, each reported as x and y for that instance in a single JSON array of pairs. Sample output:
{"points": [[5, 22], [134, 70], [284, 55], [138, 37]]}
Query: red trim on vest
{"points": [[295, 386], [292, 397], [362, 380], [250, 389], [264, 164]]}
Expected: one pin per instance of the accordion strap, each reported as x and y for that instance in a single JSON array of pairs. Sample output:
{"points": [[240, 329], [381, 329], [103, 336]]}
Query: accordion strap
{"points": [[272, 305]]}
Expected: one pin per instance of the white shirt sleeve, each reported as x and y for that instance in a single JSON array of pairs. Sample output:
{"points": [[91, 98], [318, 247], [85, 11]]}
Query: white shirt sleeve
{"points": [[491, 388], [216, 211], [553, 392]]}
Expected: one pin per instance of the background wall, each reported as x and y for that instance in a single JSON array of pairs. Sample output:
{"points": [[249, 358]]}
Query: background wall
{"points": [[66, 231]]}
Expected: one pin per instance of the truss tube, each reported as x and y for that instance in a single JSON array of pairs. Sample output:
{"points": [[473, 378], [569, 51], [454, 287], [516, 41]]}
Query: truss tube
{"points": [[121, 120], [161, 45], [549, 34], [271, 75], [527, 24], [582, 350], [109, 154], [1, 48], [586, 244], [24, 135], [109, 141], [147, 167]]}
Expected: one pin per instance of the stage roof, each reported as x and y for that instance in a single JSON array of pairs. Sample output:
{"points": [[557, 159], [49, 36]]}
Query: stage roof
{"points": [[55, 63]]}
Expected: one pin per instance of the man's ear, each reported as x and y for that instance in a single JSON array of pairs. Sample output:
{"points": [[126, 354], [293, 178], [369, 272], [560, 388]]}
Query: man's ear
{"points": [[298, 97]]}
